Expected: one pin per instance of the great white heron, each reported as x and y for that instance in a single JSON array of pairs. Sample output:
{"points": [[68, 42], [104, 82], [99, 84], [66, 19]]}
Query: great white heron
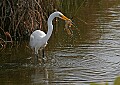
{"points": [[38, 39]]}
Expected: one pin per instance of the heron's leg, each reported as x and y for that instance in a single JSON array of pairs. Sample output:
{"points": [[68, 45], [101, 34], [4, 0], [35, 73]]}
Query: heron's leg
{"points": [[36, 56], [43, 55]]}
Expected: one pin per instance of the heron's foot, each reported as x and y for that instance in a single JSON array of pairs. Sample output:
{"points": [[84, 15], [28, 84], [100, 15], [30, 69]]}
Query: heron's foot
{"points": [[29, 58], [44, 59]]}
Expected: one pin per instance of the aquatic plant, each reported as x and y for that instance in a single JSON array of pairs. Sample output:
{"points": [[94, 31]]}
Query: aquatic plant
{"points": [[116, 82]]}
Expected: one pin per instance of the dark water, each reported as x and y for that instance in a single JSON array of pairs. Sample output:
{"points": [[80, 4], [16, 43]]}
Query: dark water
{"points": [[92, 54]]}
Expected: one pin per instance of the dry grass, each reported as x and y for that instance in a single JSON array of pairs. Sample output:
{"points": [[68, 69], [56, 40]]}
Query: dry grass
{"points": [[21, 17]]}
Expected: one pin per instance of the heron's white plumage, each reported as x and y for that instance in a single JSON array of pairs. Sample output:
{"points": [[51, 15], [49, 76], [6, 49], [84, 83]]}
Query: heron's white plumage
{"points": [[37, 41]]}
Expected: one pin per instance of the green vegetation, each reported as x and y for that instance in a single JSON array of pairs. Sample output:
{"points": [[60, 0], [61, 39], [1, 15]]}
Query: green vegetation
{"points": [[116, 82]]}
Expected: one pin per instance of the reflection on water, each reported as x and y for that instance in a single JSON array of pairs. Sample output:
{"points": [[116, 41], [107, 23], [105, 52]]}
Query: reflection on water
{"points": [[92, 54]]}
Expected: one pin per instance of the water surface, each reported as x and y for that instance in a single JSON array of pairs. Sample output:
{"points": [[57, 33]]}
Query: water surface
{"points": [[92, 54]]}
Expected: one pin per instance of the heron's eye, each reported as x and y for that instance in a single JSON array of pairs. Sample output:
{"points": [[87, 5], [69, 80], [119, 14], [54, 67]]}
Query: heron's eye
{"points": [[60, 15]]}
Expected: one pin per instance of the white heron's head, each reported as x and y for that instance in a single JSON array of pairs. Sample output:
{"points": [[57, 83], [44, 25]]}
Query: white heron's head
{"points": [[60, 15]]}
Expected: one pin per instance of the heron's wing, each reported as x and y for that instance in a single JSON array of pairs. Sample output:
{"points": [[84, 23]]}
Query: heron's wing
{"points": [[38, 34], [31, 41], [35, 37]]}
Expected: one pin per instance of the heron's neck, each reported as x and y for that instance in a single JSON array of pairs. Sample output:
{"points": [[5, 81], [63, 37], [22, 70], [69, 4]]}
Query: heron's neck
{"points": [[50, 28]]}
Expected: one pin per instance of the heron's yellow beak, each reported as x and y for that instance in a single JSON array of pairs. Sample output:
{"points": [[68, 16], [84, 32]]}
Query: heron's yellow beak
{"points": [[64, 17]]}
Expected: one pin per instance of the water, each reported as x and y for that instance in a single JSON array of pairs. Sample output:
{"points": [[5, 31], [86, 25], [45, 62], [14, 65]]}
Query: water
{"points": [[92, 54]]}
